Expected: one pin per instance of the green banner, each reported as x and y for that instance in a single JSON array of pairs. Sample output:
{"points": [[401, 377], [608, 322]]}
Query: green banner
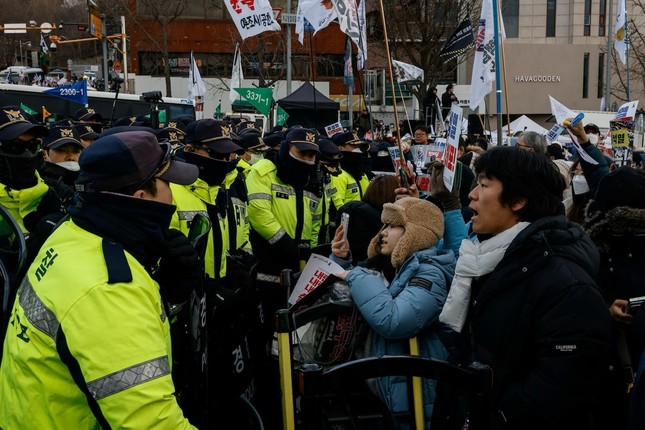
{"points": [[281, 116], [260, 98], [27, 109]]}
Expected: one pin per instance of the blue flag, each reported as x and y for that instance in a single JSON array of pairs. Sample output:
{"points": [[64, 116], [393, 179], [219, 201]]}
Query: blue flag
{"points": [[76, 92]]}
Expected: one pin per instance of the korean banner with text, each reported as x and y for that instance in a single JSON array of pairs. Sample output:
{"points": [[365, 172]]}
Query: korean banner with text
{"points": [[252, 17]]}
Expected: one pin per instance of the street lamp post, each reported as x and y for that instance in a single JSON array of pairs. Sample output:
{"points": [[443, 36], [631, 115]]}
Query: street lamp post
{"points": [[27, 46]]}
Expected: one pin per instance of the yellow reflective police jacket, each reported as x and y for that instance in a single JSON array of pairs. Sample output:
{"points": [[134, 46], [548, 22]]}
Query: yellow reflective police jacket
{"points": [[191, 200], [20, 203], [344, 188], [273, 208], [88, 343]]}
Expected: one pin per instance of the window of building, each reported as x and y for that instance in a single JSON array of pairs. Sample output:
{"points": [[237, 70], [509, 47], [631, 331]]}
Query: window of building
{"points": [[300, 67], [602, 17], [511, 17], [213, 9], [210, 65], [601, 74], [330, 66], [550, 18], [587, 26], [585, 76]]}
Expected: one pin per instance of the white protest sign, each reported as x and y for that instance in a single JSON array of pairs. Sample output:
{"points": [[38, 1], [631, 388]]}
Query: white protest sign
{"points": [[316, 271], [334, 128], [252, 17], [561, 112], [627, 110], [450, 156]]}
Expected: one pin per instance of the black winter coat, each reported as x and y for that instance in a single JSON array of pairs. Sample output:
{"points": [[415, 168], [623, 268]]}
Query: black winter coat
{"points": [[540, 322]]}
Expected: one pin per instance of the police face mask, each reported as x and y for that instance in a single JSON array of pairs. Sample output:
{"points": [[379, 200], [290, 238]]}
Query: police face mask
{"points": [[211, 171], [70, 165], [255, 157], [18, 163]]}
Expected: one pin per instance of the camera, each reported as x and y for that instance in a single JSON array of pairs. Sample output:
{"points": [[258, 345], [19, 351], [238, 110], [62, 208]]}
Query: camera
{"points": [[151, 96], [635, 304]]}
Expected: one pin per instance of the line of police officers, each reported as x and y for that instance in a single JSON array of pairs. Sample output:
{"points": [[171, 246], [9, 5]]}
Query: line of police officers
{"points": [[88, 339]]}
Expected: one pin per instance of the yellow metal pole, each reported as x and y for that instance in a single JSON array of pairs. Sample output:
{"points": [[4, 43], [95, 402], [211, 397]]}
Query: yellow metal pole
{"points": [[286, 381], [417, 389]]}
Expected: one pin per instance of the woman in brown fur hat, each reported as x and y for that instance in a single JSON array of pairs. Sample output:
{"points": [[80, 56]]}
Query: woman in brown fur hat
{"points": [[402, 289]]}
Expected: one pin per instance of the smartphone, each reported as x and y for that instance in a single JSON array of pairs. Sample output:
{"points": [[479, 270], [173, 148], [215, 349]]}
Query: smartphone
{"points": [[344, 221], [635, 304]]}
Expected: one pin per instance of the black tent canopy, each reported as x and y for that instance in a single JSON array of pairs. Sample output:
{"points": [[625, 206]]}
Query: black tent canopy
{"points": [[309, 107]]}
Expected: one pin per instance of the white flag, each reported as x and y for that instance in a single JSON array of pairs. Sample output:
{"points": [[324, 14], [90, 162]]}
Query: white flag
{"points": [[43, 45], [237, 76], [484, 63], [561, 112], [252, 17], [362, 25], [318, 13], [196, 86], [348, 18], [620, 43], [407, 72]]}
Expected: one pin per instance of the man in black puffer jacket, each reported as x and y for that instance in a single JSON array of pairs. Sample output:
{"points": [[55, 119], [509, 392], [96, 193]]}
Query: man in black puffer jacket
{"points": [[535, 315]]}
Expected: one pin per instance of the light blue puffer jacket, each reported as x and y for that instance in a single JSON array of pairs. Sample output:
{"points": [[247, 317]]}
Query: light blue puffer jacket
{"points": [[409, 307]]}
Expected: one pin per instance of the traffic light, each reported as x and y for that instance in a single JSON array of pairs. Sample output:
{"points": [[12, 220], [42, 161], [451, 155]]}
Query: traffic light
{"points": [[81, 27]]}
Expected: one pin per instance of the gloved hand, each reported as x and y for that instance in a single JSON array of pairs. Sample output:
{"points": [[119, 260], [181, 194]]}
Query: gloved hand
{"points": [[449, 199], [180, 270]]}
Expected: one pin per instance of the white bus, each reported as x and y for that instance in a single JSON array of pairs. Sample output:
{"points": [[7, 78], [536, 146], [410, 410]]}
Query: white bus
{"points": [[126, 105]]}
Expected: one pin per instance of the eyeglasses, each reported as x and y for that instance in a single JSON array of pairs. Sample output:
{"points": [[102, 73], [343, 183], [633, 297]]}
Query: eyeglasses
{"points": [[17, 146]]}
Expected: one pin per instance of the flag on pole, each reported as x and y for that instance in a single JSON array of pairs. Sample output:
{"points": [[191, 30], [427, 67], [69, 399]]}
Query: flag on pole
{"points": [[407, 72], [484, 64], [196, 88], [347, 18], [75, 92], [237, 76], [46, 113], [43, 45], [620, 42], [348, 74], [252, 17], [27, 109], [460, 42], [318, 13], [362, 47]]}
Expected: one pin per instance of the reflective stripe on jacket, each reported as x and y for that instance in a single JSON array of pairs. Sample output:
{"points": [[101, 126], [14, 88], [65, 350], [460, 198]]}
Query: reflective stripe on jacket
{"points": [[72, 319]]}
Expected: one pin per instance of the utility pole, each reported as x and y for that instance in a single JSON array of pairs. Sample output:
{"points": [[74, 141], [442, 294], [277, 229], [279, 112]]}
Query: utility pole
{"points": [[125, 53], [288, 50], [106, 72]]}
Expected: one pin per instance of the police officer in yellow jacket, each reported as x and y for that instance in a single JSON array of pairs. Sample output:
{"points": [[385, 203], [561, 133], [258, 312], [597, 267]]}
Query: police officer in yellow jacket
{"points": [[208, 146], [21, 187], [329, 161], [88, 343], [254, 148], [354, 178], [281, 206]]}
